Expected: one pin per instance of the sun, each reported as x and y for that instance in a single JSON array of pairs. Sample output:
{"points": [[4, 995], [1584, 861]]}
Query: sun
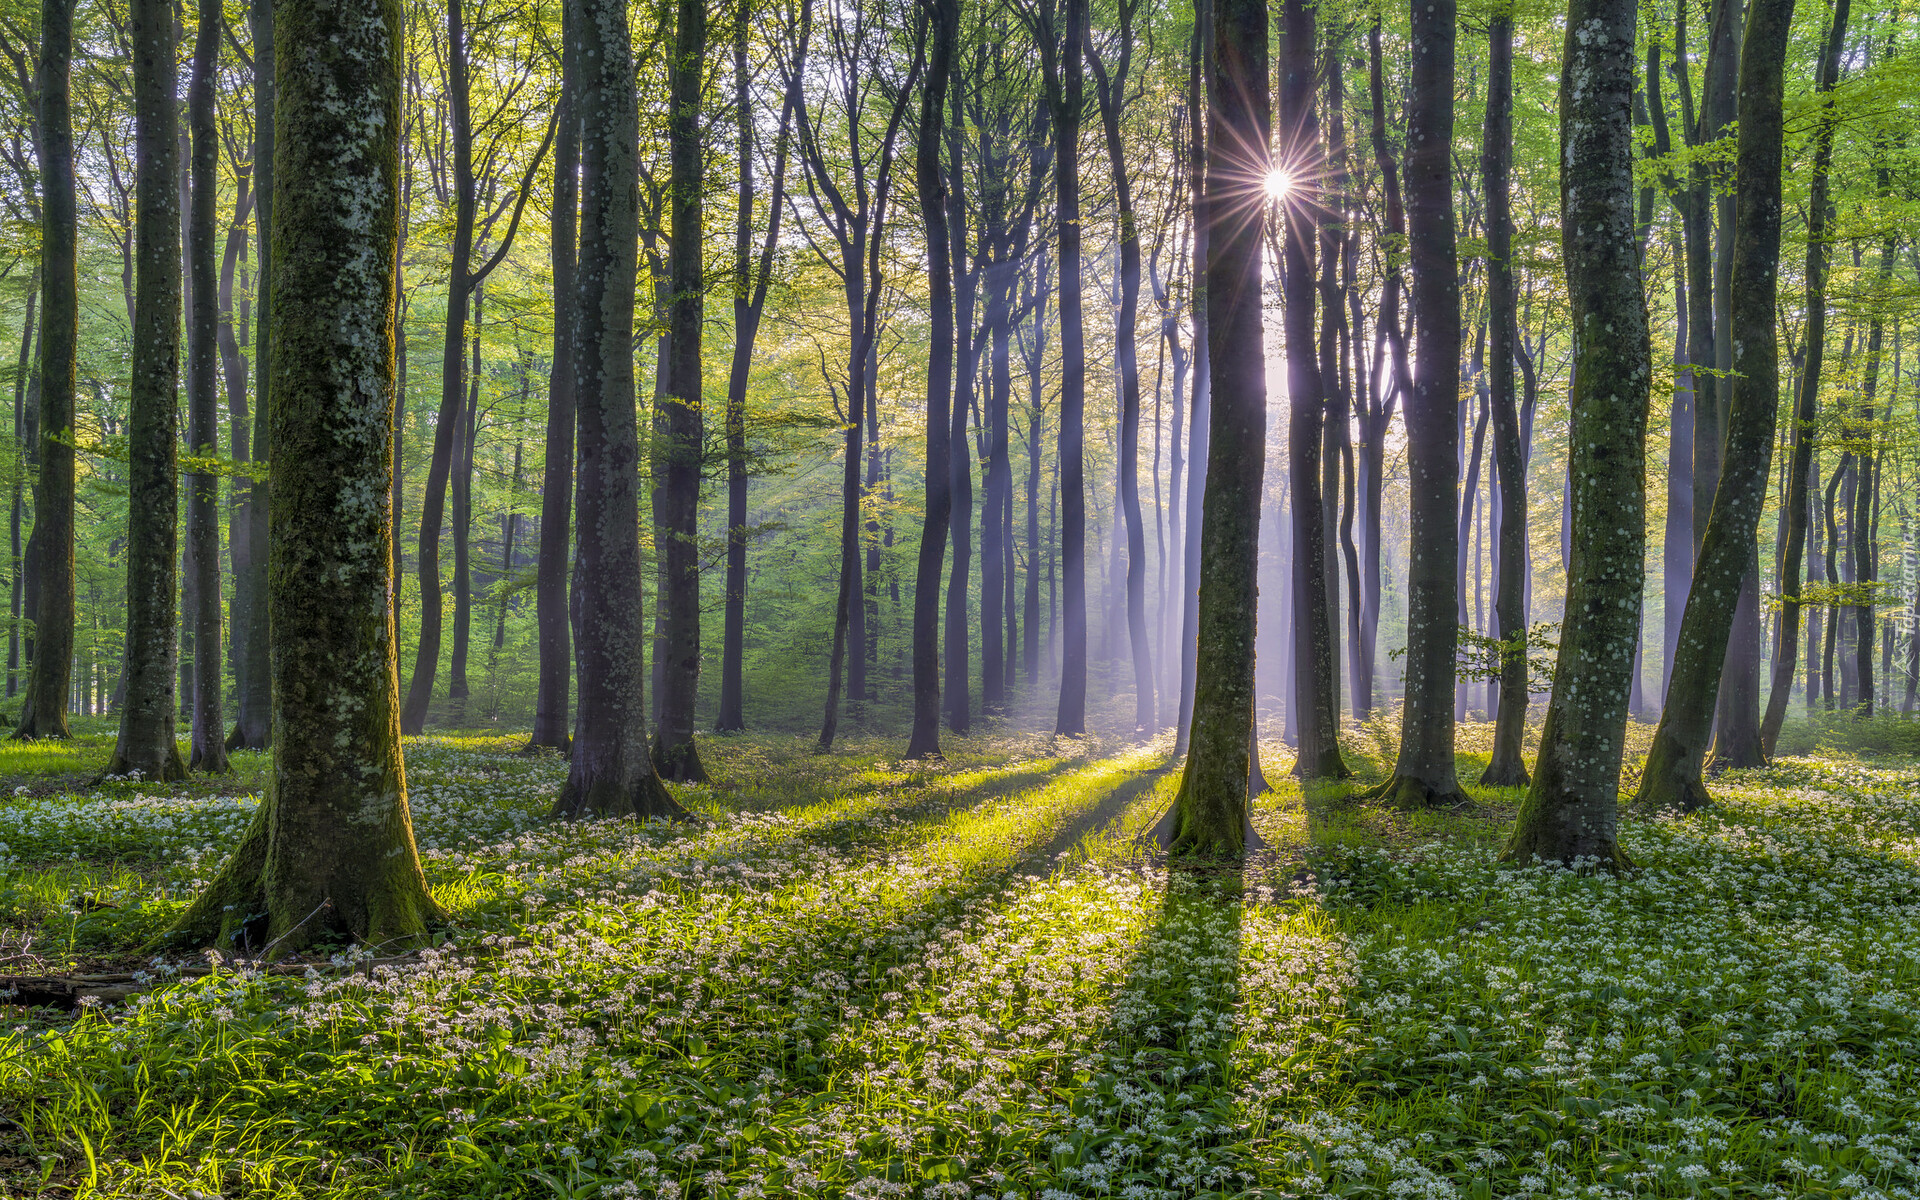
{"points": [[1278, 183]]}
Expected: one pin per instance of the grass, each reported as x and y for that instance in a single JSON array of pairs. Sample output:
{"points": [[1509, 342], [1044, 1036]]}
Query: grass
{"points": [[852, 976]]}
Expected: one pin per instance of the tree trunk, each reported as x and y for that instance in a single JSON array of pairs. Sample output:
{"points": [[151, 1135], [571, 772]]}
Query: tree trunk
{"points": [[958, 699], [447, 427], [43, 710], [674, 751], [1210, 810], [1383, 397], [612, 770], [1863, 523], [232, 338], [1200, 415], [1507, 767], [330, 852], [930, 181], [1111, 89], [1034, 649], [25, 392], [1672, 776], [466, 433], [1423, 774], [209, 739], [1067, 90], [1571, 812], [551, 614], [146, 744], [255, 725]]}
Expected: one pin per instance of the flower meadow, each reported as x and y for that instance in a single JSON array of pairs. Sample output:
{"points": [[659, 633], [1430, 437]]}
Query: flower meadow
{"points": [[852, 977]]}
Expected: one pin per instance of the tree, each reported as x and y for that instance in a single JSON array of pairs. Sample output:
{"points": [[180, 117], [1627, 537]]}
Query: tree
{"points": [[254, 727], [43, 708], [1672, 776], [209, 744], [1315, 696], [1507, 767], [330, 853], [1210, 810], [550, 726], [612, 771], [750, 283], [1110, 90], [1423, 774], [1064, 77], [146, 746], [676, 498], [1807, 404], [462, 281], [1571, 812], [930, 182]]}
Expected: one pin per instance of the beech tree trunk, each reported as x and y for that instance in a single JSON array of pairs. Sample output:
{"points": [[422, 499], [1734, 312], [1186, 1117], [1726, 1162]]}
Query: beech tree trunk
{"points": [[612, 771], [1423, 774], [209, 733], [551, 613], [233, 338], [930, 181], [1066, 90], [1200, 414], [1111, 89], [1672, 776], [1210, 810], [679, 499], [43, 709], [254, 727], [330, 852], [1571, 812], [1507, 767], [146, 744]]}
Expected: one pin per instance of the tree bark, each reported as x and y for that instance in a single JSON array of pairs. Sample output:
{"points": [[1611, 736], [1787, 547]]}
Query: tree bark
{"points": [[209, 733], [675, 754], [43, 710], [1507, 767], [1067, 90], [146, 745], [1210, 810], [1111, 91], [930, 180], [1383, 397], [255, 724], [232, 338], [1571, 812], [1672, 776], [551, 615], [1200, 397], [330, 852], [612, 771], [1423, 774]]}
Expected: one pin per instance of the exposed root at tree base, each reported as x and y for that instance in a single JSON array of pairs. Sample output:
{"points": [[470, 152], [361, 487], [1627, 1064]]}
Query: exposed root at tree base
{"points": [[1409, 794]]}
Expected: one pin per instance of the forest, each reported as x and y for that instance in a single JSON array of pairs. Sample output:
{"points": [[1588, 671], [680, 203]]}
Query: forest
{"points": [[960, 599]]}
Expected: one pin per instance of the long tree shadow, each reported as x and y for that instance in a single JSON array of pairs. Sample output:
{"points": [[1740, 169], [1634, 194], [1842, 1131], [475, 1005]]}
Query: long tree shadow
{"points": [[1168, 1078]]}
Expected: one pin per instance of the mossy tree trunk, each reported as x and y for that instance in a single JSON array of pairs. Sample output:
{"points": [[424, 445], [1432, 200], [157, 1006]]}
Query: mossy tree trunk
{"points": [[1672, 777], [209, 740], [677, 497], [43, 710], [330, 854], [612, 772], [1507, 767], [146, 745], [1423, 773], [1210, 811], [1571, 813]]}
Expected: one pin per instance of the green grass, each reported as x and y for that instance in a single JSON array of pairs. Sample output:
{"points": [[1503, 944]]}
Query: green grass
{"points": [[852, 976]]}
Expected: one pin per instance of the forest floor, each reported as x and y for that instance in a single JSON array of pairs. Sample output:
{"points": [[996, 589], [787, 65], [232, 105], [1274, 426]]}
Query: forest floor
{"points": [[857, 977]]}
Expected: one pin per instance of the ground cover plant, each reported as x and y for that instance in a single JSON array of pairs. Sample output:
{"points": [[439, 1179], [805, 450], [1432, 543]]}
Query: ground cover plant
{"points": [[851, 976]]}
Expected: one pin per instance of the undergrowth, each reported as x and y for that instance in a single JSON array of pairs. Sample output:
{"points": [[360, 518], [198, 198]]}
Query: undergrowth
{"points": [[852, 976]]}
